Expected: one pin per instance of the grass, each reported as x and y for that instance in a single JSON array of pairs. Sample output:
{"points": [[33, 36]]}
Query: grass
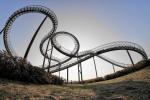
{"points": [[134, 86], [128, 70]]}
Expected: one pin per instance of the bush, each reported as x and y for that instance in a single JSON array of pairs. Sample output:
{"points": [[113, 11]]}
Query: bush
{"points": [[18, 69]]}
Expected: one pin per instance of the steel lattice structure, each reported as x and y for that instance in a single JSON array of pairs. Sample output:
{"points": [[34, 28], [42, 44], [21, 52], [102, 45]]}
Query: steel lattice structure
{"points": [[73, 57]]}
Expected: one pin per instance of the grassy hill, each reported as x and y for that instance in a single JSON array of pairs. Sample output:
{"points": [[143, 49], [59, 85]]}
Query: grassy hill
{"points": [[134, 86]]}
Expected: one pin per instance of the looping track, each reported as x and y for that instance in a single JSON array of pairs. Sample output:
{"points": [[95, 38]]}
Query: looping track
{"points": [[72, 57], [84, 55], [28, 9]]}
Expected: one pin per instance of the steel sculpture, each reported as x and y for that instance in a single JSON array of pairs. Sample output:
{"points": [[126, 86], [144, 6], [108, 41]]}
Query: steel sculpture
{"points": [[73, 57], [28, 9]]}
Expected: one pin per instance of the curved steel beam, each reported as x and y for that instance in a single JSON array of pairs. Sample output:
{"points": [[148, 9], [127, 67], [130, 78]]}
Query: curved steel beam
{"points": [[28, 9], [84, 55]]}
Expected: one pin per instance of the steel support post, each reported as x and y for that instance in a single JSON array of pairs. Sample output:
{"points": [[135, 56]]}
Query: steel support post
{"points": [[78, 72], [46, 53], [95, 66], [33, 38], [49, 60], [113, 68], [80, 76], [2, 31], [130, 57], [78, 69], [67, 75], [59, 71], [81, 72]]}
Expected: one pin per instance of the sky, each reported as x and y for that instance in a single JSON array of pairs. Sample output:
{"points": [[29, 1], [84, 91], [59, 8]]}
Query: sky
{"points": [[93, 22]]}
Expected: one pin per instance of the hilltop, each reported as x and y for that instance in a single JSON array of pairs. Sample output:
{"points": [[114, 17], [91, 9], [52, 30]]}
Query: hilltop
{"points": [[134, 86]]}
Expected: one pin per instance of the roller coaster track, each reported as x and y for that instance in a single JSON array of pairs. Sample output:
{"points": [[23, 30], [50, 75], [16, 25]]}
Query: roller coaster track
{"points": [[73, 57], [84, 55], [28, 9]]}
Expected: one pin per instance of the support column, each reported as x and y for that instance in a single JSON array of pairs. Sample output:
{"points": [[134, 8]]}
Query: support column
{"points": [[59, 72], [130, 57], [80, 75], [113, 68], [46, 52], [49, 60], [95, 66], [33, 38], [2, 31], [78, 72], [81, 72], [67, 75]]}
